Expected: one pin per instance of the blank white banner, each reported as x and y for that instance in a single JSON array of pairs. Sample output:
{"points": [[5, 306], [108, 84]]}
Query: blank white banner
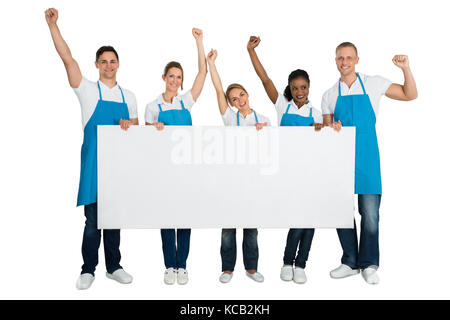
{"points": [[211, 177]]}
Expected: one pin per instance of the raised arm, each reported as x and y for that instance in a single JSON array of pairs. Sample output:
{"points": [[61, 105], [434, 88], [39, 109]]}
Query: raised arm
{"points": [[72, 68], [221, 99], [407, 91], [266, 81], [202, 70]]}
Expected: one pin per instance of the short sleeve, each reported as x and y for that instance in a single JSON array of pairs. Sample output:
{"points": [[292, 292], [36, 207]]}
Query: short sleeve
{"points": [[229, 117], [82, 90], [265, 119], [317, 115], [132, 106], [381, 84], [87, 94], [188, 100], [151, 115], [327, 107], [281, 103]]}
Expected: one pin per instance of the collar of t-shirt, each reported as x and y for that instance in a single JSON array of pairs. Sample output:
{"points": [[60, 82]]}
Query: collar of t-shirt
{"points": [[250, 116], [105, 87], [175, 101], [295, 109], [355, 87]]}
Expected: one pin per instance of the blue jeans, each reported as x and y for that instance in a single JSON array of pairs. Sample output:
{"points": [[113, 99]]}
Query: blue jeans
{"points": [[91, 243], [175, 251], [249, 249], [369, 254], [301, 238]]}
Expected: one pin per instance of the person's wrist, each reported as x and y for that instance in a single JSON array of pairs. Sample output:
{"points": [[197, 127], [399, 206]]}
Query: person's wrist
{"points": [[406, 69]]}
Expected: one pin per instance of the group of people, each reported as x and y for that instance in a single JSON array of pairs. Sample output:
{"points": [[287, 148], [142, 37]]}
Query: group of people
{"points": [[352, 101]]}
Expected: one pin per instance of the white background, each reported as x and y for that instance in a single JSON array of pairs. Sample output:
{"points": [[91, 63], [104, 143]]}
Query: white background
{"points": [[41, 230]]}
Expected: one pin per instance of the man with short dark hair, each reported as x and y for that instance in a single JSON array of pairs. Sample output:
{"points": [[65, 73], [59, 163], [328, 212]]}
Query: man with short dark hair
{"points": [[354, 101], [102, 103]]}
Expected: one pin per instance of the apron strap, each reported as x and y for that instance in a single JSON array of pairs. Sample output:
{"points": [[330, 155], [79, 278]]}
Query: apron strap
{"points": [[237, 117], [339, 85], [123, 98], [287, 110], [160, 109], [362, 85], [310, 112], [182, 105], [256, 117], [99, 90]]}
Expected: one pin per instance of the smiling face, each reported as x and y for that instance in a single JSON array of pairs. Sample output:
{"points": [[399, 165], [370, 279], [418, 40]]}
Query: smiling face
{"points": [[299, 91], [173, 79], [346, 60], [239, 98], [107, 64]]}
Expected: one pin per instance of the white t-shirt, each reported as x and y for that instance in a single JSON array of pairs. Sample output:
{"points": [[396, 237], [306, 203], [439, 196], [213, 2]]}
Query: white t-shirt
{"points": [[88, 96], [376, 86], [282, 103], [230, 118], [152, 109]]}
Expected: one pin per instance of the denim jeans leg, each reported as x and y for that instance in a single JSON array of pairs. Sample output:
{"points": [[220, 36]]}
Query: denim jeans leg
{"points": [[304, 247], [183, 242], [91, 240], [228, 249], [368, 206], [250, 249], [349, 244], [111, 244], [169, 248], [293, 238]]}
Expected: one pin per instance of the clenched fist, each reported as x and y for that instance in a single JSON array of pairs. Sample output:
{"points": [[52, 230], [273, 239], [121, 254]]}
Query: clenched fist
{"points": [[197, 33], [253, 42], [212, 55], [401, 61], [51, 15]]}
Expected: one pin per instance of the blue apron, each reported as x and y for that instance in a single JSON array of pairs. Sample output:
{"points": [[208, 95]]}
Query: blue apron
{"points": [[175, 117], [356, 110], [296, 120], [105, 113], [237, 117]]}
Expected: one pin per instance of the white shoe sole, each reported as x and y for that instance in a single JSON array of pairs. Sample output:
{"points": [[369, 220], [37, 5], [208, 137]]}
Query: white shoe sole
{"points": [[110, 276], [303, 281], [348, 274], [373, 281], [287, 279], [169, 283], [79, 287], [256, 280], [227, 280]]}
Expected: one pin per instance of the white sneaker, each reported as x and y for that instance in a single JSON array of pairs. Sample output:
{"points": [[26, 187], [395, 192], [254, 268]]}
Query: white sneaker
{"points": [[182, 276], [84, 281], [370, 275], [225, 277], [169, 276], [343, 271], [287, 273], [120, 276], [299, 275], [258, 277]]}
